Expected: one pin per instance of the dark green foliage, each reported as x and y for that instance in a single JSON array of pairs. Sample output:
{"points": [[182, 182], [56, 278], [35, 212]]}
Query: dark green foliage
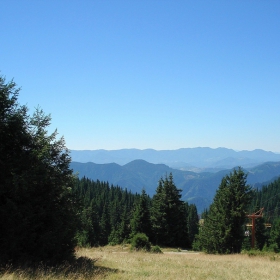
{"points": [[140, 241], [156, 250], [223, 228], [106, 212], [192, 221], [88, 225], [261, 234], [168, 215], [140, 221], [112, 215], [275, 236], [246, 244], [104, 226], [38, 213], [158, 215], [122, 230], [268, 197]]}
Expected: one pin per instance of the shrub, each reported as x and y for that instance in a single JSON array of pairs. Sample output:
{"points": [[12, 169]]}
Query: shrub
{"points": [[140, 241], [196, 246], [156, 250], [274, 248]]}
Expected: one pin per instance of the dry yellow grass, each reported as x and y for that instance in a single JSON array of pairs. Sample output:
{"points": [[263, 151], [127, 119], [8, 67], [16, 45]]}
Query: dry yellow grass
{"points": [[118, 263], [172, 265]]}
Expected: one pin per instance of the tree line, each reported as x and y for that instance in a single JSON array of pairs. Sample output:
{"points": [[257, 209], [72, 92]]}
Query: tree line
{"points": [[111, 215]]}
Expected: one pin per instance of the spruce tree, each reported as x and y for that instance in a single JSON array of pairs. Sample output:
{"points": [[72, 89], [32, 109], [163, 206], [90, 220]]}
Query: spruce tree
{"points": [[105, 227], [275, 236], [192, 222], [169, 219], [158, 215], [37, 213], [261, 233], [223, 228], [140, 222]]}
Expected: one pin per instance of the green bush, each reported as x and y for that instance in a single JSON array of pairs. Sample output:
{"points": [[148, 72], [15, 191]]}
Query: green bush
{"points": [[156, 250], [115, 238], [274, 248], [82, 239], [140, 241], [196, 246]]}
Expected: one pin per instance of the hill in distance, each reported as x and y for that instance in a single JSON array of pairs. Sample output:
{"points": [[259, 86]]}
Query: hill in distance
{"points": [[192, 159], [197, 188]]}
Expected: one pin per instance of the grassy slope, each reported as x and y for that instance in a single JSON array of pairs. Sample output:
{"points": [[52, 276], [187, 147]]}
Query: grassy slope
{"points": [[118, 263]]}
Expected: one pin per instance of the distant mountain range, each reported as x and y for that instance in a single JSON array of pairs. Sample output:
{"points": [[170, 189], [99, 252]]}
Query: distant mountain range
{"points": [[198, 188], [191, 159]]}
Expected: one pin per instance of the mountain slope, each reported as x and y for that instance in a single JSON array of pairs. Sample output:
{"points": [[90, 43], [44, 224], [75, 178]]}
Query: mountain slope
{"points": [[198, 188]]}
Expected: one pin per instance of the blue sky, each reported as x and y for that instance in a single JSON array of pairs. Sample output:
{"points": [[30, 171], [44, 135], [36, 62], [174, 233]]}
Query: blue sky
{"points": [[148, 74]]}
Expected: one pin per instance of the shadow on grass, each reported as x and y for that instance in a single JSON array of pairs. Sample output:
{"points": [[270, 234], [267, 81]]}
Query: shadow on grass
{"points": [[81, 268]]}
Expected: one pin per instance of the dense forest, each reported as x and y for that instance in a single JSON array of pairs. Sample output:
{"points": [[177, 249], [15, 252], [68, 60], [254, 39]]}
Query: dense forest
{"points": [[268, 197], [109, 214]]}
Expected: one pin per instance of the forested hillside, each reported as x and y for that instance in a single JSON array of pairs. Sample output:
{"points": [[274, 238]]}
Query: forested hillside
{"points": [[103, 208], [197, 188], [268, 197], [109, 214]]}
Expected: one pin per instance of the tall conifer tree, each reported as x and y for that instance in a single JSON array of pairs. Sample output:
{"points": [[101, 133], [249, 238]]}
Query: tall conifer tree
{"points": [[169, 219], [192, 221], [37, 213], [223, 229], [140, 222]]}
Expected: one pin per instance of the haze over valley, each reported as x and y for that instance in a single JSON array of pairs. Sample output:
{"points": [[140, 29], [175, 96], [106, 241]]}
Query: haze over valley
{"points": [[192, 159], [197, 171]]}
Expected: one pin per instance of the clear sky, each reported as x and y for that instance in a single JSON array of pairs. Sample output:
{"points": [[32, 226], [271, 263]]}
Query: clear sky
{"points": [[148, 73]]}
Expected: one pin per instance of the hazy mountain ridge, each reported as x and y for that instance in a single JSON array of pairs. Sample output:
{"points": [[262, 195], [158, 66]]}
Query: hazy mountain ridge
{"points": [[196, 159], [198, 188]]}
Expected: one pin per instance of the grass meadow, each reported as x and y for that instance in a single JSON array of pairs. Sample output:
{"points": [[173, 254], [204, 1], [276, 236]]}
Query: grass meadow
{"points": [[119, 263]]}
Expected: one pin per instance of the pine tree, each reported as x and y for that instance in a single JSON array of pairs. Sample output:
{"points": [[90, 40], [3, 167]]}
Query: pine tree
{"points": [[140, 222], [105, 228], [105, 212], [275, 236], [122, 230], [223, 231], [38, 213], [158, 215], [268, 197], [169, 220], [192, 220], [261, 233]]}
